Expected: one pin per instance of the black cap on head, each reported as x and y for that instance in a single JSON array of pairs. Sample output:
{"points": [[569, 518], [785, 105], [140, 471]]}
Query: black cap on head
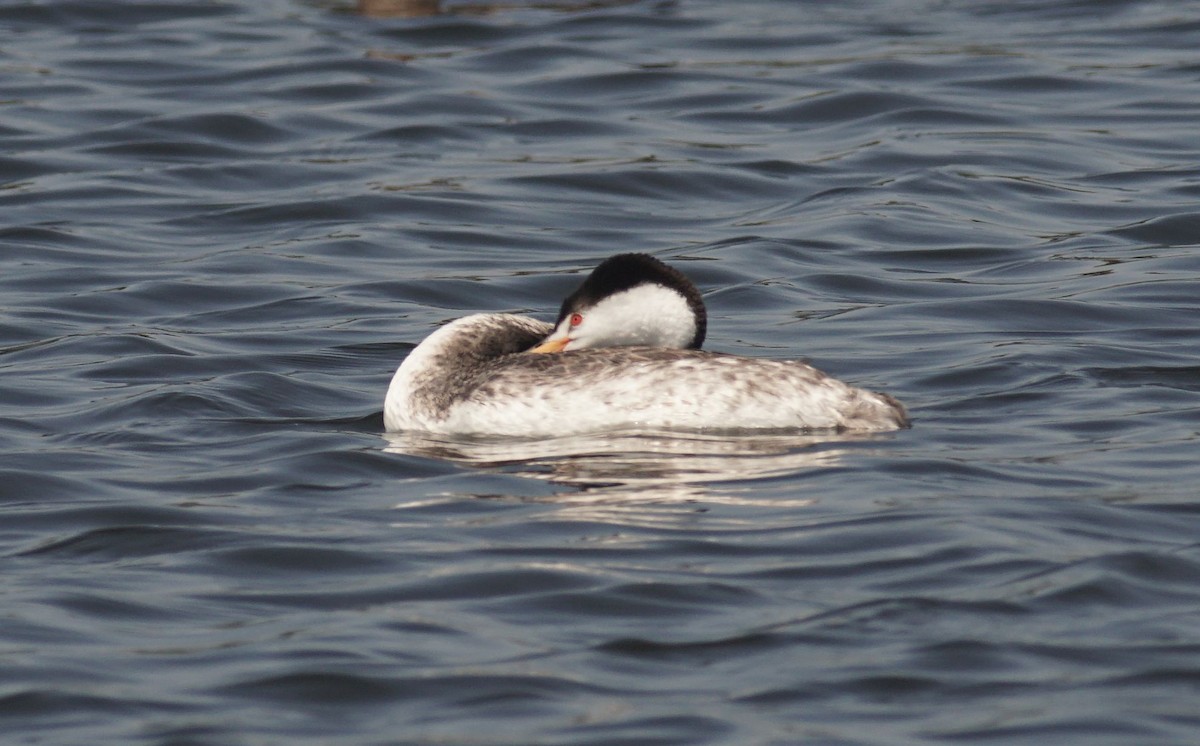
{"points": [[625, 271]]}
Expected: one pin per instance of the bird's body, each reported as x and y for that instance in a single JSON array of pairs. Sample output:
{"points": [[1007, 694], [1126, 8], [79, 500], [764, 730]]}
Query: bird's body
{"points": [[480, 375]]}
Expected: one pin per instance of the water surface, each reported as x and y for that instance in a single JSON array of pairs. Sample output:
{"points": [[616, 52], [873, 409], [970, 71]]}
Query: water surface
{"points": [[224, 224]]}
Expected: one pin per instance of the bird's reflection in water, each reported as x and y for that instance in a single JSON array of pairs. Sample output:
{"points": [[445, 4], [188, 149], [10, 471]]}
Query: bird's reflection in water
{"points": [[644, 467], [420, 8], [398, 8]]}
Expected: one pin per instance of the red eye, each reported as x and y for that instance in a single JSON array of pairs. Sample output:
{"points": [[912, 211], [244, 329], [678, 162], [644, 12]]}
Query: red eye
{"points": [[576, 319]]}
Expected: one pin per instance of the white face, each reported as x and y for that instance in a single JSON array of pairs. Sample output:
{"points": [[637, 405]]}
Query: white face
{"points": [[646, 315]]}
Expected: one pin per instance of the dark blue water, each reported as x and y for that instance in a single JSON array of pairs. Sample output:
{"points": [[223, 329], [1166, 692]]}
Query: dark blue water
{"points": [[223, 225]]}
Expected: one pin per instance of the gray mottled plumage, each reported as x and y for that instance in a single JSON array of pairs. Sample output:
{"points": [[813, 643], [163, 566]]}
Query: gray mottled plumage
{"points": [[472, 376]]}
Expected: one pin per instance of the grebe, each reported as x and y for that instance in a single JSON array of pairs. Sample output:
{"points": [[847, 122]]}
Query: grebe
{"points": [[624, 353]]}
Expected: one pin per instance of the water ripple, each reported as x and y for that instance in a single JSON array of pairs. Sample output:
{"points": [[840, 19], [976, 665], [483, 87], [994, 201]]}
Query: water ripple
{"points": [[224, 225]]}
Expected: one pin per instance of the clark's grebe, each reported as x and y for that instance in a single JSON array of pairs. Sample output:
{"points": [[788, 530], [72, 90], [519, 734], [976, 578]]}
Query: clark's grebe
{"points": [[624, 353]]}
